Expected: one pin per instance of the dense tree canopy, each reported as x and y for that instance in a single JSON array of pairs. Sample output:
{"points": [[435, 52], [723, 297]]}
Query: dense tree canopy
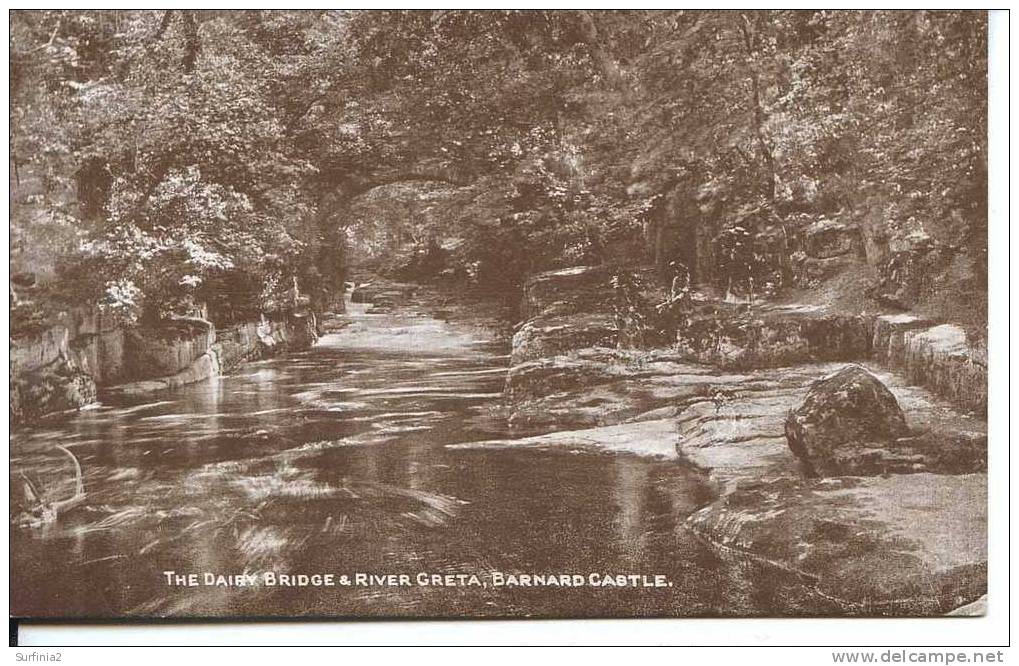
{"points": [[170, 158]]}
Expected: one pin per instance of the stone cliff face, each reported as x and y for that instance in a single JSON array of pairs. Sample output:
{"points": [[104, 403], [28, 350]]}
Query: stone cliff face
{"points": [[70, 364], [60, 368], [215, 352]]}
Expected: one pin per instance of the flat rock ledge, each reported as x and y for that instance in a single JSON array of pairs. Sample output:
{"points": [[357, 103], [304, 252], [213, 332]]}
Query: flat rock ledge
{"points": [[912, 544]]}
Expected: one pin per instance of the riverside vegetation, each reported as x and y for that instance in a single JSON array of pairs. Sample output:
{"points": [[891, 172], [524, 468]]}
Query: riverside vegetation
{"points": [[753, 243]]}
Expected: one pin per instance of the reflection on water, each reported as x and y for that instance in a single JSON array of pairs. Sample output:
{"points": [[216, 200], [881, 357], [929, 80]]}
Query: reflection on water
{"points": [[334, 460]]}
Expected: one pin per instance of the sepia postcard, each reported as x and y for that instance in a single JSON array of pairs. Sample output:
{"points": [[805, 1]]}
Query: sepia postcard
{"points": [[498, 313]]}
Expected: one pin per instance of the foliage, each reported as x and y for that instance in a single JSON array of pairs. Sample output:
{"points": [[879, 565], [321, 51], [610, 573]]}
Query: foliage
{"points": [[177, 146], [829, 113], [216, 157]]}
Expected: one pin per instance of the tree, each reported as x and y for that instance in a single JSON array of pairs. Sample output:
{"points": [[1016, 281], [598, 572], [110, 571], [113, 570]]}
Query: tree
{"points": [[245, 149]]}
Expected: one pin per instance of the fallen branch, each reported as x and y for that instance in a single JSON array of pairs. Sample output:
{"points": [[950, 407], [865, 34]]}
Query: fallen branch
{"points": [[45, 513]]}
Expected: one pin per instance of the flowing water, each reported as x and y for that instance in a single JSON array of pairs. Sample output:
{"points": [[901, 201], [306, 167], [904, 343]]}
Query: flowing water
{"points": [[335, 461]]}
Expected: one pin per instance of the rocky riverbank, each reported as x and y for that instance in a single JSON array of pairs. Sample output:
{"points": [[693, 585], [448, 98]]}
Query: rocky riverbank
{"points": [[83, 357], [898, 526]]}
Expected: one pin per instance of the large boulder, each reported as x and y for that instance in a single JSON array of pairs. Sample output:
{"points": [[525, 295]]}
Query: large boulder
{"points": [[847, 418]]}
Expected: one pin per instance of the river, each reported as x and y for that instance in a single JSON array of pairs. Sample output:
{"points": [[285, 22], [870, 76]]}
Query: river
{"points": [[336, 460]]}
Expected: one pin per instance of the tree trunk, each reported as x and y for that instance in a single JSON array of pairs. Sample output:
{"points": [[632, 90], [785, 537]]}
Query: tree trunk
{"points": [[749, 39], [191, 43]]}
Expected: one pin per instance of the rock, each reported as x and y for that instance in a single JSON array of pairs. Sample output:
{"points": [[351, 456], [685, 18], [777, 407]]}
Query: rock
{"points": [[542, 377], [942, 359], [810, 271], [59, 367], [236, 344], [949, 451], [841, 417], [383, 293], [888, 340], [899, 545], [231, 347], [938, 357], [734, 427], [305, 329], [773, 336], [898, 299], [916, 240], [157, 352], [424, 262], [915, 269], [40, 350], [895, 545], [741, 436], [205, 366], [549, 336], [579, 288], [826, 238], [57, 387], [902, 544]]}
